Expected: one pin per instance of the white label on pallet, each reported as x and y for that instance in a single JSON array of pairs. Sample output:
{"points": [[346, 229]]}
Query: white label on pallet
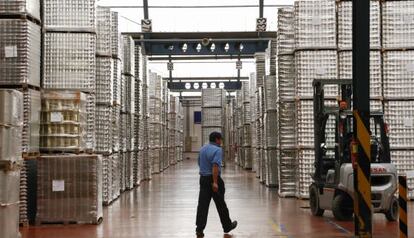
{"points": [[408, 18], [408, 122], [10, 51], [58, 185], [410, 67], [56, 117], [321, 71], [316, 20]]}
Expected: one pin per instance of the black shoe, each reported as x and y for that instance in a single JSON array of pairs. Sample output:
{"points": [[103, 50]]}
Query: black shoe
{"points": [[199, 234], [232, 227]]}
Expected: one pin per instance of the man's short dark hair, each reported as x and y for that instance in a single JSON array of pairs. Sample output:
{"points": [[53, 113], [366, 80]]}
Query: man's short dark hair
{"points": [[214, 136]]}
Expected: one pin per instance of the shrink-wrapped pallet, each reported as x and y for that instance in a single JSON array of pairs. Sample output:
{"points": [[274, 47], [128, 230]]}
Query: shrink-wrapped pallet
{"points": [[69, 15], [398, 24], [21, 7], [69, 189], [20, 52]]}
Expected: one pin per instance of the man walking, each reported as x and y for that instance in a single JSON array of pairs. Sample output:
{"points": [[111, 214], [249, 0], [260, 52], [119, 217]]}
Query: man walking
{"points": [[212, 186]]}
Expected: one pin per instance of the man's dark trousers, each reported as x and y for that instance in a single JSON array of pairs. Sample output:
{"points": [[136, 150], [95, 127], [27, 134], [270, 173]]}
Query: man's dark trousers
{"points": [[206, 193]]}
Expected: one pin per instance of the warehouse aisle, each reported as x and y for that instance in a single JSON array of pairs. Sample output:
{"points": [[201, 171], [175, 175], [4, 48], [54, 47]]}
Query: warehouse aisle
{"points": [[166, 206]]}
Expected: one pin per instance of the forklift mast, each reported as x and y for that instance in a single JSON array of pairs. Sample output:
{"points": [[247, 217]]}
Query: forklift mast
{"points": [[321, 114]]}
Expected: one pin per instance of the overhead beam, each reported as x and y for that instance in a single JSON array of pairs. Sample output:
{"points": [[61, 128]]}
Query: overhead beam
{"points": [[216, 57], [197, 86], [202, 7], [206, 78], [245, 35]]}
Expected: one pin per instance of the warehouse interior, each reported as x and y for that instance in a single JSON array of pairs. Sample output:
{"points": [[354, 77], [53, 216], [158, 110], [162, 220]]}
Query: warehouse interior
{"points": [[105, 105]]}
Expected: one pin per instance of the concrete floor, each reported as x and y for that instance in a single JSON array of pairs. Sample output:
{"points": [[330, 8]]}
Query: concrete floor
{"points": [[166, 207]]}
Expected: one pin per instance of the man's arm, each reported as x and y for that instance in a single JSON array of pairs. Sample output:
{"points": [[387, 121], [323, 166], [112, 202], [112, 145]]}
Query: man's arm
{"points": [[216, 169], [215, 177]]}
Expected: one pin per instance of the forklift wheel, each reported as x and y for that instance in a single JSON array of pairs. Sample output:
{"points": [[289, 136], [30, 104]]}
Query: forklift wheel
{"points": [[342, 208], [314, 202], [392, 213]]}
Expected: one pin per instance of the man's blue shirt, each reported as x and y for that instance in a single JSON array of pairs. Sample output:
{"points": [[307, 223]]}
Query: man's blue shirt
{"points": [[210, 154]]}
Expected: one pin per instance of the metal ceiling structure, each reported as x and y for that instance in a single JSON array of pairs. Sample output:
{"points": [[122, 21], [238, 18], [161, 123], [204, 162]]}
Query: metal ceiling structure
{"points": [[202, 45]]}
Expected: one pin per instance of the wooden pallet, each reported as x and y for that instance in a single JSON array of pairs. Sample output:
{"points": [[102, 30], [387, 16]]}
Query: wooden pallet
{"points": [[30, 155], [68, 222], [20, 15]]}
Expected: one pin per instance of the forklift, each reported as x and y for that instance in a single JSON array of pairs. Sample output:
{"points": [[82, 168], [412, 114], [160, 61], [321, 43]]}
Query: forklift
{"points": [[335, 157]]}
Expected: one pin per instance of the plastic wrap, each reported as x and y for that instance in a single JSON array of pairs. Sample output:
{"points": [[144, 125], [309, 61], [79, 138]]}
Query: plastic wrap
{"points": [[260, 59], [115, 35], [398, 73], [305, 124], [107, 179], [287, 125], [400, 118], [69, 15], [69, 189], [311, 65], [404, 160], [117, 78], [345, 25], [270, 92], [305, 169], [103, 22], [31, 124], [246, 114], [286, 31], [11, 106], [20, 42], [69, 61], [64, 121], [345, 70], [104, 80], [129, 55], [103, 129], [398, 24], [9, 184], [272, 163], [286, 79], [212, 117], [212, 97], [9, 221], [287, 173], [315, 24], [31, 7], [271, 127]]}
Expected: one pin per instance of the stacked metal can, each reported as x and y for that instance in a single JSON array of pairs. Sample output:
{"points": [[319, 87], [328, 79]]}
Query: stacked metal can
{"points": [[127, 117], [155, 121], [11, 125], [286, 102], [113, 166], [315, 58], [20, 64], [246, 136], [69, 53], [270, 132], [105, 72], [398, 76], [252, 83], [212, 110]]}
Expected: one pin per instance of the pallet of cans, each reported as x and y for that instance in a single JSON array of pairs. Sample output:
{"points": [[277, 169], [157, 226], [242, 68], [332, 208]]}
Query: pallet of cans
{"points": [[69, 61], [69, 189], [20, 7], [11, 122], [345, 25], [20, 43], [315, 24], [69, 15], [63, 121], [397, 25]]}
